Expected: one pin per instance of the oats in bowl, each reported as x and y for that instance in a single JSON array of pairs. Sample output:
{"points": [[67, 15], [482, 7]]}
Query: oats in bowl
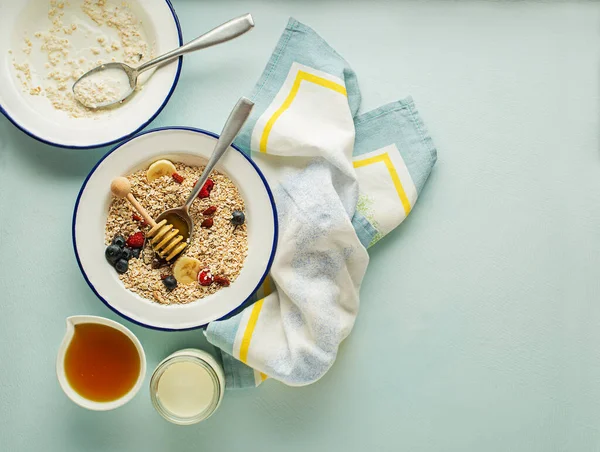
{"points": [[218, 245]]}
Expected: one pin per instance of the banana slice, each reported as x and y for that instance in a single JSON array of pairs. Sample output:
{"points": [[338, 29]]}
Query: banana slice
{"points": [[160, 168], [186, 269]]}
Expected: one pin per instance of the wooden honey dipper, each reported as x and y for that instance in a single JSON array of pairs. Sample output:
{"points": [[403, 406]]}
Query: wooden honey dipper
{"points": [[165, 239]]}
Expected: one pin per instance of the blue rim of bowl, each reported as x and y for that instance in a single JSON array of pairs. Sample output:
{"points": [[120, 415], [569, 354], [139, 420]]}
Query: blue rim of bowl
{"points": [[129, 135], [275, 227]]}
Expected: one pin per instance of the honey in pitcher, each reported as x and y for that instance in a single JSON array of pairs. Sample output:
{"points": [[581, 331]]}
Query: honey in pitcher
{"points": [[101, 363]]}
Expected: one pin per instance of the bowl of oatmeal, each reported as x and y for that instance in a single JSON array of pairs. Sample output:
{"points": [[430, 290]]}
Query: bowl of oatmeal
{"points": [[46, 45], [228, 254]]}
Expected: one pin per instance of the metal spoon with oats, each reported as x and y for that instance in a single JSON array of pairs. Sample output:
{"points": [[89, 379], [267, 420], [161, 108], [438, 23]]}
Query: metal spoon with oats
{"points": [[112, 83]]}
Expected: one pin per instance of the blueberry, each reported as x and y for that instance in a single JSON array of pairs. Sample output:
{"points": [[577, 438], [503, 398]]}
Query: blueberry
{"points": [[237, 217], [122, 266], [112, 254], [119, 240], [126, 253], [136, 252], [170, 283]]}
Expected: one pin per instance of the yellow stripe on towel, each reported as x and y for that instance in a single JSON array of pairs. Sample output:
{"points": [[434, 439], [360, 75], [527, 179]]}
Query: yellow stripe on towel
{"points": [[300, 76], [245, 345], [385, 158]]}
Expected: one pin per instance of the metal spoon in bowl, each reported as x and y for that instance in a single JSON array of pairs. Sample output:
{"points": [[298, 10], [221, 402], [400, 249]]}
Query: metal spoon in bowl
{"points": [[118, 80], [179, 217]]}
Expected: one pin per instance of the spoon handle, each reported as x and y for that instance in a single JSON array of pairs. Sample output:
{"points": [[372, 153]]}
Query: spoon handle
{"points": [[225, 32], [232, 127]]}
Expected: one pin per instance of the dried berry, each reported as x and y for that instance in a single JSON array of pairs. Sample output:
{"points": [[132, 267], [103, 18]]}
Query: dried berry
{"points": [[136, 240], [221, 281], [210, 211], [207, 223], [206, 189], [178, 178], [205, 277], [136, 217]]}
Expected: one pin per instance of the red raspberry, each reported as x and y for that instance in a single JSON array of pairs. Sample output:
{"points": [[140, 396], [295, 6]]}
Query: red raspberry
{"points": [[207, 223], [206, 188], [221, 281], [205, 277], [136, 240], [210, 211], [178, 178]]}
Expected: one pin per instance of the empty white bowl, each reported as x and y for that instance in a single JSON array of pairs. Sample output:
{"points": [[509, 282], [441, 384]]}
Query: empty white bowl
{"points": [[191, 147], [36, 116]]}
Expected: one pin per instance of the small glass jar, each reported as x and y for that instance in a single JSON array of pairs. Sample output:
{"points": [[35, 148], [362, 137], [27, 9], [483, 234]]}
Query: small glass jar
{"points": [[215, 375]]}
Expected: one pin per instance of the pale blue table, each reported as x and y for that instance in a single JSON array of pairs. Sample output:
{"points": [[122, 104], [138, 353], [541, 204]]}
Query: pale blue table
{"points": [[480, 321]]}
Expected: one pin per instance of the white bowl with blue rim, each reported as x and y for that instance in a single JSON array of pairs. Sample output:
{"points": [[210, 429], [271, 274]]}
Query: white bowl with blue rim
{"points": [[192, 147], [36, 116]]}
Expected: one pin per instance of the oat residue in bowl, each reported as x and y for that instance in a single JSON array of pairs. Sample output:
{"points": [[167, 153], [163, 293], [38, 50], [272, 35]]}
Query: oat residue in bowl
{"points": [[78, 39], [221, 248]]}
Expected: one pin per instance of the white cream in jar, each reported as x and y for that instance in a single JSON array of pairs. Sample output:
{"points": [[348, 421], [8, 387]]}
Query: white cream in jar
{"points": [[187, 387]]}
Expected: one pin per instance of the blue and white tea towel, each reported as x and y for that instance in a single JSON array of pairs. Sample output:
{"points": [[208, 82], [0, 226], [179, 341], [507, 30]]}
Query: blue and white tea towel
{"points": [[341, 182]]}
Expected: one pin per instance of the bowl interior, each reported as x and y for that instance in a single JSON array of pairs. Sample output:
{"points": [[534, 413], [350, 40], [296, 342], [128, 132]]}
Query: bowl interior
{"points": [[35, 115], [191, 147]]}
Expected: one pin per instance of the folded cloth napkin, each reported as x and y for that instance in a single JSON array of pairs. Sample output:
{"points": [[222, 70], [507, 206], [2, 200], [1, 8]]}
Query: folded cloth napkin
{"points": [[341, 181]]}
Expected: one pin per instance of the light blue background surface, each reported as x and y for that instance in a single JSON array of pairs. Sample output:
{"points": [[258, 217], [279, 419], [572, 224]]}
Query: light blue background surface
{"points": [[480, 320]]}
